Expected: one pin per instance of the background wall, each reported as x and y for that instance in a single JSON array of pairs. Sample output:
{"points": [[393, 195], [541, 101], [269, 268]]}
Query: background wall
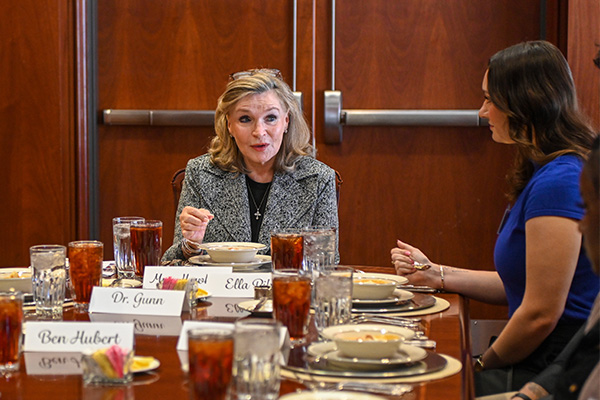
{"points": [[437, 188]]}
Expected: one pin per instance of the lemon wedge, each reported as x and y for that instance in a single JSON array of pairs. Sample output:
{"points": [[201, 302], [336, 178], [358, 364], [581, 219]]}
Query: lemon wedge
{"points": [[141, 362]]}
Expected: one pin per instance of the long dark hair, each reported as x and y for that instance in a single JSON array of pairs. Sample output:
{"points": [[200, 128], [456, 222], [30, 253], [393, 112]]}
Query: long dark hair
{"points": [[532, 83]]}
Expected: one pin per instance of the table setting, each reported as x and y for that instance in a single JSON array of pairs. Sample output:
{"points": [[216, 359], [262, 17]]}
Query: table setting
{"points": [[320, 308]]}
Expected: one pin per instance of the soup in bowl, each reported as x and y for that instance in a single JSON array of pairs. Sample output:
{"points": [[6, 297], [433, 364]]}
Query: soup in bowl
{"points": [[369, 344], [372, 288]]}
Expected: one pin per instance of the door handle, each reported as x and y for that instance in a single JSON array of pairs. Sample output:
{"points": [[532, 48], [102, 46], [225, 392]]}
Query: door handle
{"points": [[336, 117]]}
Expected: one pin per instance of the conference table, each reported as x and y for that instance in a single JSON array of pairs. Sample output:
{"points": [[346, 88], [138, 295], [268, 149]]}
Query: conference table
{"points": [[448, 328]]}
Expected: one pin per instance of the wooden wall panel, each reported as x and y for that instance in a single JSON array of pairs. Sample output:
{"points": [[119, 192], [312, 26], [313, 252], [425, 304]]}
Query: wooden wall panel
{"points": [[37, 148], [584, 45]]}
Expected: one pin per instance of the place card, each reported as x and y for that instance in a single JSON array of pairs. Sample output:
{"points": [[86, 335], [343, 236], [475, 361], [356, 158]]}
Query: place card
{"points": [[151, 325], [153, 275], [136, 301], [236, 285], [52, 363], [76, 336], [182, 343]]}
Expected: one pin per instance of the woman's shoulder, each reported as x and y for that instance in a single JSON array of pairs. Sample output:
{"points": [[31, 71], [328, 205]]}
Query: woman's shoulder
{"points": [[307, 166], [203, 164], [563, 167]]}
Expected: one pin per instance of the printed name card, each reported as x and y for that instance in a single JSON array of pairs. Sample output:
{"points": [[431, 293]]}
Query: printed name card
{"points": [[76, 336], [154, 275], [136, 301], [218, 281], [182, 343], [55, 363]]}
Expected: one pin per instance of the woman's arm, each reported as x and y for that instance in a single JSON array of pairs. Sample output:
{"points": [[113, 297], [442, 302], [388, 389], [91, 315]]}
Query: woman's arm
{"points": [[484, 286], [552, 251]]}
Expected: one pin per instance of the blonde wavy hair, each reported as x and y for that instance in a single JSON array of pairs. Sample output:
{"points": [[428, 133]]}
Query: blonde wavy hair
{"points": [[223, 149]]}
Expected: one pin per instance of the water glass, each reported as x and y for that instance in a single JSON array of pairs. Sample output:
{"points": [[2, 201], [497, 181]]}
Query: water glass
{"points": [[122, 246], [291, 301], [11, 331], [210, 357], [333, 297], [49, 279], [287, 249], [85, 270], [146, 244], [256, 362], [319, 247]]}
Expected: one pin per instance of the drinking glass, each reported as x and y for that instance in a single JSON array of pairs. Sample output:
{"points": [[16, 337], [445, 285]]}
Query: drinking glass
{"points": [[291, 301], [287, 249], [210, 356], [49, 279], [146, 244], [256, 359], [122, 246], [11, 322], [333, 297], [319, 247], [85, 270]]}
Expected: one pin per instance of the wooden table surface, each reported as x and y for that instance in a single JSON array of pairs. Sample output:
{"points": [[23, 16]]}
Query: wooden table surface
{"points": [[450, 329]]}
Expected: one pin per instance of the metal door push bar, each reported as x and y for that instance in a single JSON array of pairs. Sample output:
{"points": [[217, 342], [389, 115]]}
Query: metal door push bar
{"points": [[336, 117]]}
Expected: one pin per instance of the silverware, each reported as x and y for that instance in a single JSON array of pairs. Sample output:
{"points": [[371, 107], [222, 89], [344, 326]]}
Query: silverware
{"points": [[417, 288], [356, 386], [260, 303]]}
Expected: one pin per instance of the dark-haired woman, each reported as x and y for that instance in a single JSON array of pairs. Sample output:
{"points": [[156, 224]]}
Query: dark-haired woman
{"points": [[542, 272]]}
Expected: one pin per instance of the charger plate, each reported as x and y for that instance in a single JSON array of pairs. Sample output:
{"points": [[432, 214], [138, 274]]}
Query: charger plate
{"points": [[420, 301]]}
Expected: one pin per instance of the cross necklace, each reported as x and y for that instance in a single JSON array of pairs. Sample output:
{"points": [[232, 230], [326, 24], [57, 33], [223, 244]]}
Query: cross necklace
{"points": [[257, 214]]}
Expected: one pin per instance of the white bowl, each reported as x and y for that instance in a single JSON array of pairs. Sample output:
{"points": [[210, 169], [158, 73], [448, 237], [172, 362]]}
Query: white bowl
{"points": [[232, 252], [18, 279], [372, 288], [369, 344]]}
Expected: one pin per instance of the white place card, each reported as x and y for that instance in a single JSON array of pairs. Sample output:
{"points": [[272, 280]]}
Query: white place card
{"points": [[55, 363], [76, 336], [136, 301], [182, 343], [153, 275], [236, 285], [152, 325]]}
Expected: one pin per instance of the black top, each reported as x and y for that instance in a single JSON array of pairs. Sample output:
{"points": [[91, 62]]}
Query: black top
{"points": [[257, 197]]}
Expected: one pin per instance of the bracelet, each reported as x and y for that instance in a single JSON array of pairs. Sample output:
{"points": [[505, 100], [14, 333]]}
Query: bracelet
{"points": [[442, 276], [521, 396], [190, 248], [479, 366]]}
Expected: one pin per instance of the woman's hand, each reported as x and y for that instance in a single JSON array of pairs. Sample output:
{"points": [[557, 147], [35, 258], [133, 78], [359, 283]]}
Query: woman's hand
{"points": [[404, 258], [193, 222]]}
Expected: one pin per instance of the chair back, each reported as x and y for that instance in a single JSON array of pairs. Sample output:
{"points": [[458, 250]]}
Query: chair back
{"points": [[177, 182]]}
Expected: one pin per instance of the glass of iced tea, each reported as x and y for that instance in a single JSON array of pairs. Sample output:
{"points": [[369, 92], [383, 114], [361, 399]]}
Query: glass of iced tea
{"points": [[291, 301], [85, 270], [210, 356], [11, 322], [287, 249], [146, 244]]}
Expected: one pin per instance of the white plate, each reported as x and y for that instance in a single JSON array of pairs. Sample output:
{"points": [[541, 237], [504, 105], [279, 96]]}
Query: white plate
{"points": [[21, 284], [126, 283], [249, 305], [152, 366], [399, 296], [400, 280], [405, 355], [206, 260], [331, 331], [324, 395]]}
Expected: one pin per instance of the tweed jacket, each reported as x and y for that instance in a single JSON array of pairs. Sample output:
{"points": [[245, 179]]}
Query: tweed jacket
{"points": [[301, 198]]}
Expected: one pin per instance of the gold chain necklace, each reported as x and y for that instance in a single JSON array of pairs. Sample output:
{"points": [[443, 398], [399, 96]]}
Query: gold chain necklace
{"points": [[257, 214]]}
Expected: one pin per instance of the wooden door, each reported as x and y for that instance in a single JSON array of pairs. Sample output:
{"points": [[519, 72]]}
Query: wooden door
{"points": [[437, 188], [177, 55]]}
